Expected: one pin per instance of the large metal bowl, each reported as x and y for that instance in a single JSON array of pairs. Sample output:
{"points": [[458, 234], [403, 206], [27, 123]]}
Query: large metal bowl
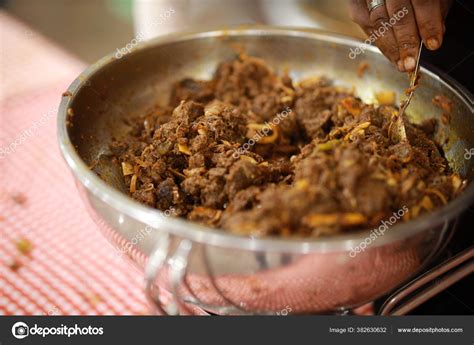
{"points": [[225, 273]]}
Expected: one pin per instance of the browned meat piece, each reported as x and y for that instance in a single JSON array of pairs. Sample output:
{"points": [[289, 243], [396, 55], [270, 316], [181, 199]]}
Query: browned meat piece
{"points": [[192, 90], [241, 175], [205, 215], [251, 153], [247, 82], [145, 196]]}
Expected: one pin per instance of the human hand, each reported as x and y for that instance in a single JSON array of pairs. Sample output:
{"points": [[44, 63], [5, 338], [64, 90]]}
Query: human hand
{"points": [[409, 21]]}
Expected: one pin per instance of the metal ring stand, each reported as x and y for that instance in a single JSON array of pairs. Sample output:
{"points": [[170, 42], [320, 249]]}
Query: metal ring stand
{"points": [[401, 302], [177, 270], [155, 262], [178, 264], [430, 284]]}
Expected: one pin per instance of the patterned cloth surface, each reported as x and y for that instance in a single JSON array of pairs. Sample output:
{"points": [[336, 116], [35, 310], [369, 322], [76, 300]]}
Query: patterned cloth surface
{"points": [[53, 259]]}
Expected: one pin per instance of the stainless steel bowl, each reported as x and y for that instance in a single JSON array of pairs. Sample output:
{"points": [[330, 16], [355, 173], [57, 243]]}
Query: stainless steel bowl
{"points": [[224, 273]]}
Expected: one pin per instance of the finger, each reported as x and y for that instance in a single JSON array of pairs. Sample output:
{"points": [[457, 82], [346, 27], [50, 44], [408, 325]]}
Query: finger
{"points": [[430, 22], [406, 31], [385, 38], [387, 51], [359, 12], [360, 15]]}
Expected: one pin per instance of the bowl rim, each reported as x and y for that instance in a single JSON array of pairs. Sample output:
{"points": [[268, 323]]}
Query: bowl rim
{"points": [[206, 235]]}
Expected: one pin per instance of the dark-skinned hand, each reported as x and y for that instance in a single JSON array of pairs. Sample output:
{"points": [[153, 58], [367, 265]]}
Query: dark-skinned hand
{"points": [[420, 20]]}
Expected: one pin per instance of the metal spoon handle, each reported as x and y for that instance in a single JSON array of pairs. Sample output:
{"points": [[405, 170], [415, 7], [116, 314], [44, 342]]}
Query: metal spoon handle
{"points": [[413, 80]]}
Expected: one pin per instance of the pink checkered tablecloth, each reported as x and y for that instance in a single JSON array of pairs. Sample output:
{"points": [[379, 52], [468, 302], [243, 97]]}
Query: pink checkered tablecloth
{"points": [[53, 259]]}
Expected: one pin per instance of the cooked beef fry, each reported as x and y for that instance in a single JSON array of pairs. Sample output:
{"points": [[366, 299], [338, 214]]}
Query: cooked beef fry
{"points": [[252, 153]]}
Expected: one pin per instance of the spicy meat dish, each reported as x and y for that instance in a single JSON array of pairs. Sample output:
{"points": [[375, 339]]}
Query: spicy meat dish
{"points": [[254, 153]]}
